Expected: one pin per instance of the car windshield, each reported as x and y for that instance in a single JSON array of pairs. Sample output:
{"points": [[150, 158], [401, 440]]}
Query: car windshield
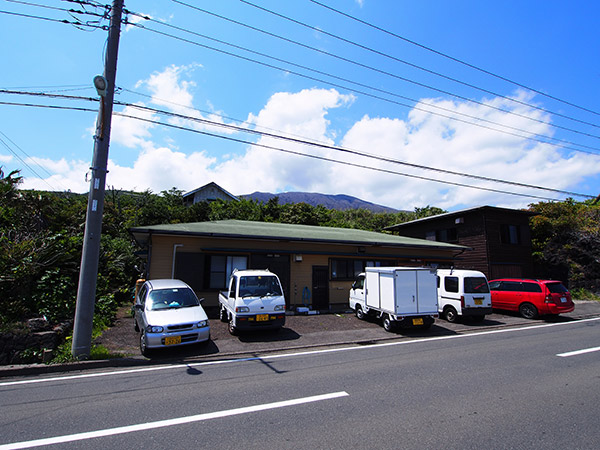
{"points": [[476, 285], [259, 286], [557, 288], [172, 298]]}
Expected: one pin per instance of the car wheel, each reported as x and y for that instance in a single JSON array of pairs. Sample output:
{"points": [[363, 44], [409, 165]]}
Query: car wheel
{"points": [[360, 314], [388, 323], [450, 314], [232, 329], [528, 311], [223, 315], [144, 350]]}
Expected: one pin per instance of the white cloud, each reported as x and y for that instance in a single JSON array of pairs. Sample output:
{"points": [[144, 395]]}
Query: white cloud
{"points": [[422, 138]]}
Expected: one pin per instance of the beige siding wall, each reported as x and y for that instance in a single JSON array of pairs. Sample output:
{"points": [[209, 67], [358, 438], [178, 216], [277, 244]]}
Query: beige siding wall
{"points": [[161, 260]]}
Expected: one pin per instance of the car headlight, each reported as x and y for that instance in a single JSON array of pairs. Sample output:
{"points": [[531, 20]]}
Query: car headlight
{"points": [[202, 324], [242, 309], [279, 308], [154, 329]]}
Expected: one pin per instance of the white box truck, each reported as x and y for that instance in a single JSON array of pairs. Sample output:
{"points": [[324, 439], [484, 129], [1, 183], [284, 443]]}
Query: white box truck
{"points": [[400, 296]]}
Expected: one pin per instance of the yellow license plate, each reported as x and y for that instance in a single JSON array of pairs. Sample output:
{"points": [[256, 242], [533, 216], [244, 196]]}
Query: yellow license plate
{"points": [[418, 321], [172, 340], [478, 302], [262, 317]]}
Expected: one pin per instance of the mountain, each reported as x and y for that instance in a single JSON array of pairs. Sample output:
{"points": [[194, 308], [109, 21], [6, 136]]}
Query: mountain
{"points": [[339, 202]]}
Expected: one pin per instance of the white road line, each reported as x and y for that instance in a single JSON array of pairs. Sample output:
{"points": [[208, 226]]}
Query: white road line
{"points": [[170, 422], [578, 352], [291, 355]]}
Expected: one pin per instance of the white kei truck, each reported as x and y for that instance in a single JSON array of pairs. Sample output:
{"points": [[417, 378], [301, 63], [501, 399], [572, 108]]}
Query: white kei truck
{"points": [[400, 296], [254, 301]]}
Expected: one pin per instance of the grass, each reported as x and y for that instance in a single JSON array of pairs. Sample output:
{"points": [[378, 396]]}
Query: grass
{"points": [[584, 294]]}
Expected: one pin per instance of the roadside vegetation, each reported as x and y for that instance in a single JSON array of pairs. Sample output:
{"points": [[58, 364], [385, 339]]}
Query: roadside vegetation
{"points": [[41, 240]]}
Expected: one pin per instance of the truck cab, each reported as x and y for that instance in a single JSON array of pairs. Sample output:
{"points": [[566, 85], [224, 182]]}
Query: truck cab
{"points": [[254, 300]]}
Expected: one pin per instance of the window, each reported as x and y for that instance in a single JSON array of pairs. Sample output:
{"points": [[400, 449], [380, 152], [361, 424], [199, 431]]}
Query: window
{"points": [[510, 234], [221, 267], [476, 285], [531, 287], [359, 283], [510, 286], [348, 269], [451, 284], [445, 235]]}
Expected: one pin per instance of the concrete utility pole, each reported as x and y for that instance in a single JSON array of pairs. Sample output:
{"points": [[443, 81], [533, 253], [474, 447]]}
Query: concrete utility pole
{"points": [[88, 274]]}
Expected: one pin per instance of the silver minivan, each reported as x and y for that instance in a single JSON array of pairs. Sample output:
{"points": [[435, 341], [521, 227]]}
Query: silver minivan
{"points": [[463, 293], [167, 314]]}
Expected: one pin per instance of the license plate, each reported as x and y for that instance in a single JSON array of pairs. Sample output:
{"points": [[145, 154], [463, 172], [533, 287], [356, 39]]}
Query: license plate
{"points": [[563, 299], [262, 317], [172, 340], [418, 321], [478, 302]]}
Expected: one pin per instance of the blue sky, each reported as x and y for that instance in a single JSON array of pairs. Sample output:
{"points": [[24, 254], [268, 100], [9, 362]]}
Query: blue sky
{"points": [[208, 60]]}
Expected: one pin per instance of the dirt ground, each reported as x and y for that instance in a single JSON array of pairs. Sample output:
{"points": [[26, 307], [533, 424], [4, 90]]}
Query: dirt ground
{"points": [[122, 339]]}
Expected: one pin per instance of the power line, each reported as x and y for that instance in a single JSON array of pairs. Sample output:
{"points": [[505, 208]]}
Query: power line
{"points": [[347, 163], [414, 107], [460, 61], [433, 72], [344, 150], [8, 147], [383, 72], [321, 145]]}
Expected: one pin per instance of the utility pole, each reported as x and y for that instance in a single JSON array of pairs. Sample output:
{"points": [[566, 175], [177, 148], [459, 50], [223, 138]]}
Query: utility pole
{"points": [[88, 273]]}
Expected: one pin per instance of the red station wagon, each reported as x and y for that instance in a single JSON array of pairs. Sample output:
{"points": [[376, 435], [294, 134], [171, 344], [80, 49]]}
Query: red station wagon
{"points": [[531, 298]]}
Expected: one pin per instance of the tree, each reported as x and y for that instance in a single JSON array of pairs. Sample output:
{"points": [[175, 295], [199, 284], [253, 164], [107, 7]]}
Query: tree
{"points": [[566, 242]]}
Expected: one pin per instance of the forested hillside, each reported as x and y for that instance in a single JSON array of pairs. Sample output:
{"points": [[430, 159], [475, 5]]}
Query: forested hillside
{"points": [[41, 239]]}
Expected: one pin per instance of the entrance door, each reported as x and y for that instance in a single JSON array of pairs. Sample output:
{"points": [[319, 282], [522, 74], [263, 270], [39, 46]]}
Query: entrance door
{"points": [[320, 291], [279, 265]]}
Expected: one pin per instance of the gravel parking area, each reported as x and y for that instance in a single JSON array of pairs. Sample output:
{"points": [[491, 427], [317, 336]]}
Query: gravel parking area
{"points": [[303, 331]]}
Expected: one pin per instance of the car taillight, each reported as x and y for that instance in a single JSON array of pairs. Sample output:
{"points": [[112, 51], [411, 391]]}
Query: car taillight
{"points": [[462, 301], [549, 299]]}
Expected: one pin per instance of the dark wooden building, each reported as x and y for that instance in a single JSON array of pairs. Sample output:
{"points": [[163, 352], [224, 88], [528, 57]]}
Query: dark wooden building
{"points": [[499, 238]]}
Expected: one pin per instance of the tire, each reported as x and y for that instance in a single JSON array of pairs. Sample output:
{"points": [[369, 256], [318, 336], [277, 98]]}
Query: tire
{"points": [[528, 311], [450, 314], [144, 350], [223, 316], [360, 314], [388, 324], [232, 329]]}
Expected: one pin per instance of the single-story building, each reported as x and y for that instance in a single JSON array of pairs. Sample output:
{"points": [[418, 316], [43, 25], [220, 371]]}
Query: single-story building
{"points": [[316, 265], [500, 238]]}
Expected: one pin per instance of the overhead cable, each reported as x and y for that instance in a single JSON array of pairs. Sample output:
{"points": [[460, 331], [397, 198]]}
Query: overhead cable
{"points": [[380, 53], [546, 140], [347, 163], [383, 72], [366, 155], [460, 61]]}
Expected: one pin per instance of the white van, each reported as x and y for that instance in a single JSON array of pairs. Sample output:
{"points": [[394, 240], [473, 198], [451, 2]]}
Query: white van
{"points": [[463, 293]]}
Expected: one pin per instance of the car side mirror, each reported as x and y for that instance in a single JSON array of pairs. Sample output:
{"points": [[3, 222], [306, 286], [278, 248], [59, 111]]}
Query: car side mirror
{"points": [[139, 307]]}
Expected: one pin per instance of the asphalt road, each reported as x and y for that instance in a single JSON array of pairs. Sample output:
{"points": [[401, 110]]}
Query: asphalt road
{"points": [[513, 387]]}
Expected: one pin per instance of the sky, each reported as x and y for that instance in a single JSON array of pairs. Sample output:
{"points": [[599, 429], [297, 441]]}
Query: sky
{"points": [[401, 103]]}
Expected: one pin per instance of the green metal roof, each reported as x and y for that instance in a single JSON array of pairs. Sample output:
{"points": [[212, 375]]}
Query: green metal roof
{"points": [[286, 232]]}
